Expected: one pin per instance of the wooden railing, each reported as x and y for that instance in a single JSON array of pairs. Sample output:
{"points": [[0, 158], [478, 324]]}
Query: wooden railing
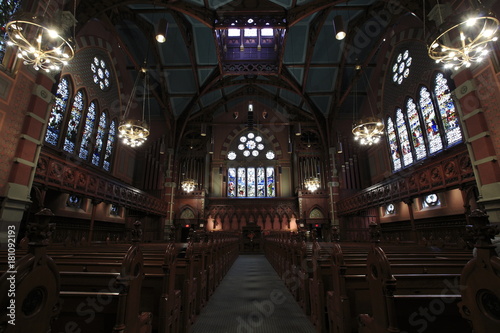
{"points": [[64, 175]]}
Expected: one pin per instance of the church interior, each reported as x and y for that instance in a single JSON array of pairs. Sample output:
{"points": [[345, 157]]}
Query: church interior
{"points": [[249, 166]]}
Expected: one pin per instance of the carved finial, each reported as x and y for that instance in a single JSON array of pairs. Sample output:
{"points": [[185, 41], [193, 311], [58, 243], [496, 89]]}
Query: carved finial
{"points": [[335, 234], [375, 233], [136, 232], [171, 233], [41, 229], [481, 230]]}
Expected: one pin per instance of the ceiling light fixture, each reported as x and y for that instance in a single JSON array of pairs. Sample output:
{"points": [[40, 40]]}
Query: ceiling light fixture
{"points": [[134, 132], [462, 43], [161, 31], [40, 44], [368, 130], [338, 27]]}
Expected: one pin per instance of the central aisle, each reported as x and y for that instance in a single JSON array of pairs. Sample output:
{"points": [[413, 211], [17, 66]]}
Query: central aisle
{"points": [[252, 299]]}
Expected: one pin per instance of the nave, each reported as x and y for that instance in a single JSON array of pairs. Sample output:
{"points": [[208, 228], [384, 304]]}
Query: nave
{"points": [[252, 298], [210, 285]]}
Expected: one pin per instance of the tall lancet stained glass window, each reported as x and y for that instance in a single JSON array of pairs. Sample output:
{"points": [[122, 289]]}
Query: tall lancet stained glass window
{"points": [[393, 144], [415, 129], [430, 121], [74, 123], [88, 131], [99, 139], [110, 145], [447, 110], [403, 138], [58, 111]]}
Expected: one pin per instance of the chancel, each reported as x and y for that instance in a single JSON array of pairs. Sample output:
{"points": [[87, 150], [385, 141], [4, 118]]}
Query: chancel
{"points": [[249, 166]]}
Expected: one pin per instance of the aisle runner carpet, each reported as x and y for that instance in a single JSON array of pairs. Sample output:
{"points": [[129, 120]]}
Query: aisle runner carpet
{"points": [[252, 299]]}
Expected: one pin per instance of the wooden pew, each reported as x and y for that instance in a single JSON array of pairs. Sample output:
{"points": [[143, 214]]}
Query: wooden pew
{"points": [[32, 283], [480, 279]]}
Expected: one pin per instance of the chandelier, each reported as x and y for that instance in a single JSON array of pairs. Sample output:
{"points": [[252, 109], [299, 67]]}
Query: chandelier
{"points": [[463, 42], [40, 45], [188, 185], [368, 131], [312, 183], [134, 132]]}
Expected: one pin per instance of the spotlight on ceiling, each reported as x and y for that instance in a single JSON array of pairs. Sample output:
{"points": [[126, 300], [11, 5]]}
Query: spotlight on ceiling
{"points": [[338, 27], [161, 33]]}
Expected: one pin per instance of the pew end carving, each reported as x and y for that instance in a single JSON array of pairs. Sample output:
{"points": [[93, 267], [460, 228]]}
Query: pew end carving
{"points": [[36, 280], [480, 279]]}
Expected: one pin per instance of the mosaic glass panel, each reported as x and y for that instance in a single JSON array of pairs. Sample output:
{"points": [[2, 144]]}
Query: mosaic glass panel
{"points": [[403, 138], [415, 129], [231, 182], [57, 114], [261, 182], [88, 130], [242, 182], [74, 123], [251, 190], [109, 146], [270, 182], [447, 110], [393, 145], [101, 132], [430, 121]]}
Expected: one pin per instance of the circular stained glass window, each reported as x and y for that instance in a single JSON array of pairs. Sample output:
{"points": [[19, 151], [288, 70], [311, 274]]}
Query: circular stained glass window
{"points": [[401, 67], [270, 155], [250, 145], [101, 73]]}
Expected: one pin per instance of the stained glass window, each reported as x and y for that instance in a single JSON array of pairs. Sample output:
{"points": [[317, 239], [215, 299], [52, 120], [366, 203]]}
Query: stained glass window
{"points": [[231, 182], [261, 182], [401, 67], [109, 146], [241, 182], [101, 131], [447, 110], [270, 182], [248, 145], [88, 130], [415, 129], [393, 145], [74, 123], [430, 121], [101, 73], [251, 182], [403, 138], [57, 114]]}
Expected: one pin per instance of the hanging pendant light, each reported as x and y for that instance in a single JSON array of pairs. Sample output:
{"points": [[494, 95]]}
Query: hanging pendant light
{"points": [[367, 130], [40, 42], [462, 42], [134, 132]]}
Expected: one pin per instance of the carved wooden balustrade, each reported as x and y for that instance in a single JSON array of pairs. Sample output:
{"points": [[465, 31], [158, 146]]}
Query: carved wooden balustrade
{"points": [[449, 172], [65, 175]]}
